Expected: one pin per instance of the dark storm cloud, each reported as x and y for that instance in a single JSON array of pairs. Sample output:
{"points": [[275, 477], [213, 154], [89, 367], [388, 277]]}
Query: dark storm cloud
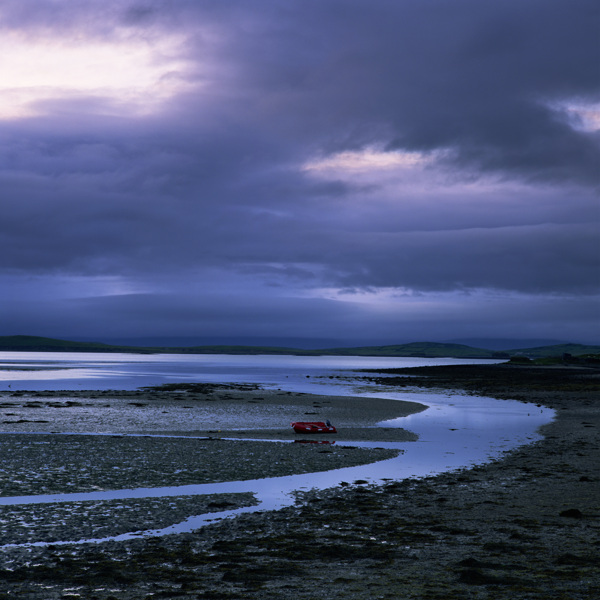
{"points": [[215, 179], [530, 259], [180, 315], [485, 80], [218, 317]]}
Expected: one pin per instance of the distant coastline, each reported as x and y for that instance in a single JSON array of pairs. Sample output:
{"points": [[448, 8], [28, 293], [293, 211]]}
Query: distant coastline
{"points": [[563, 352]]}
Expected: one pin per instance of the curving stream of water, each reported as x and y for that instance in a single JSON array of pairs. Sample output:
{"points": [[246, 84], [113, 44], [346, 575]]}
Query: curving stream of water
{"points": [[455, 431]]}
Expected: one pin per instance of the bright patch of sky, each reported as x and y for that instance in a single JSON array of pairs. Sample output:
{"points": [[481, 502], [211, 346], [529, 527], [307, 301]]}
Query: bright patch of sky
{"points": [[582, 115], [133, 74], [587, 116], [366, 160]]}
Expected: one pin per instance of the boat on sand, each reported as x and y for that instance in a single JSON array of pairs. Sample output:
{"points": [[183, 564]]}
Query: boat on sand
{"points": [[313, 427]]}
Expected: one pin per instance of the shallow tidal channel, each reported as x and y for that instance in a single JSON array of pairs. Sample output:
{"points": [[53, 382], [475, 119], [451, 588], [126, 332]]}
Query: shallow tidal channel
{"points": [[57, 486]]}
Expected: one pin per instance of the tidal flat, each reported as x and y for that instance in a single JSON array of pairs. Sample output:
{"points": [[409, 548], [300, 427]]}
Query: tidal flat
{"points": [[524, 526], [61, 442]]}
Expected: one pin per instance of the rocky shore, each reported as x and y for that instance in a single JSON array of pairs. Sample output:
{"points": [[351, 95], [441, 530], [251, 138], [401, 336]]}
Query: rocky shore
{"points": [[526, 526]]}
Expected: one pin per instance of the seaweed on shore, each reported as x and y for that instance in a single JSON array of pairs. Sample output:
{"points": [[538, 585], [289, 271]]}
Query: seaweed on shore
{"points": [[500, 381]]}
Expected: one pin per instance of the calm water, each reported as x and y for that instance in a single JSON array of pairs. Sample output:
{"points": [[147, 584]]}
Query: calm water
{"points": [[76, 371], [455, 431]]}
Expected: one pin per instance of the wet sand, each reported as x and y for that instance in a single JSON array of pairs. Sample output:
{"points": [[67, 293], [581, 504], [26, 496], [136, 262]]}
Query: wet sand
{"points": [[209, 410], [526, 526], [89, 442]]}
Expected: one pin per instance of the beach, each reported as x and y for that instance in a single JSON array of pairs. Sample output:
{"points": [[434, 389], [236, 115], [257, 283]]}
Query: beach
{"points": [[526, 525]]}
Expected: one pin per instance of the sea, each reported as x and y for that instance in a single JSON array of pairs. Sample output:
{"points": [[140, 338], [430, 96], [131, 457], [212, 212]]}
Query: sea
{"points": [[102, 371]]}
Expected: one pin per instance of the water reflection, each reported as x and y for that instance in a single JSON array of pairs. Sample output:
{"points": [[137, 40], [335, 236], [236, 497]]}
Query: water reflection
{"points": [[76, 371], [455, 431]]}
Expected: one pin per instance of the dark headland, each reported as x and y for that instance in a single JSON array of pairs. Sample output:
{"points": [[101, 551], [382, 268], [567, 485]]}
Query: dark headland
{"points": [[28, 343]]}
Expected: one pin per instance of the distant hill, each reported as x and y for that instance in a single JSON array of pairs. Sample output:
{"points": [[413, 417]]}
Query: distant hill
{"points": [[556, 350], [247, 350], [32, 343], [27, 343], [419, 349], [507, 344]]}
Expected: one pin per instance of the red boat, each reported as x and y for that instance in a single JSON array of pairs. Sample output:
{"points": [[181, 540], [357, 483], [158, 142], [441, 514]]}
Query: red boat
{"points": [[313, 427]]}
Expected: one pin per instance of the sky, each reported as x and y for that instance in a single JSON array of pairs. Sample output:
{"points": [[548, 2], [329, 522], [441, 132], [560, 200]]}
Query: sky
{"points": [[316, 172]]}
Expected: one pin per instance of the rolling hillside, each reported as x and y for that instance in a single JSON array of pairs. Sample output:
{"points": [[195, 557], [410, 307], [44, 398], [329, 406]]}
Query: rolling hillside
{"points": [[26, 343]]}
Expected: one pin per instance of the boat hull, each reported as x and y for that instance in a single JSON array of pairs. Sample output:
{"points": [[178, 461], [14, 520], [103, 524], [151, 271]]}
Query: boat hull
{"points": [[313, 427]]}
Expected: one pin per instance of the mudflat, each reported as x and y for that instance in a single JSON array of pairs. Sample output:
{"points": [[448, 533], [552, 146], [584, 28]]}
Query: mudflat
{"points": [[210, 410], [526, 526]]}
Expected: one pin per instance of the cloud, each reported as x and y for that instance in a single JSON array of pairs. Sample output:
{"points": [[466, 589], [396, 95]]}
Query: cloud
{"points": [[124, 75], [426, 146], [356, 319], [475, 78], [483, 80]]}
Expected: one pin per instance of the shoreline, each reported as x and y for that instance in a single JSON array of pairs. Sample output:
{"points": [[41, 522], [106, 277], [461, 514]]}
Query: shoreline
{"points": [[524, 526]]}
